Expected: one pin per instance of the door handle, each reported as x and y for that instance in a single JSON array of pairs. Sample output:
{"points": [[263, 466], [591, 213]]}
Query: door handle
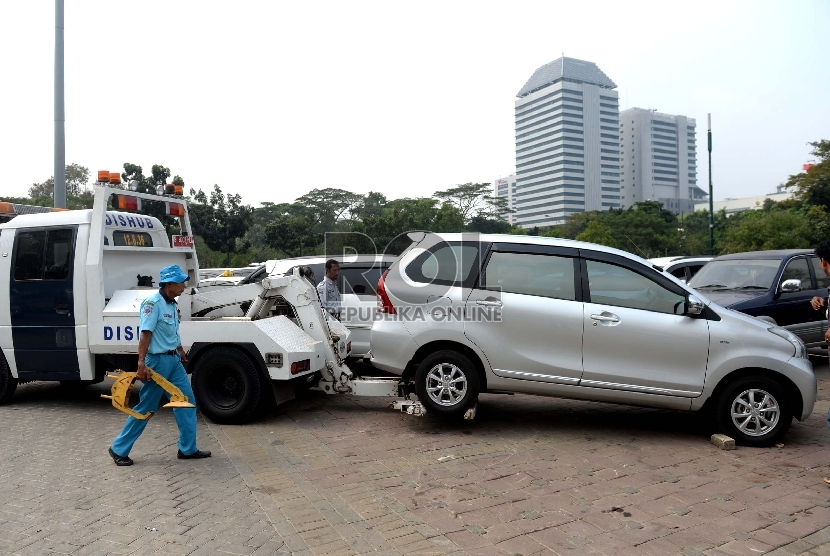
{"points": [[488, 303], [62, 309], [603, 318]]}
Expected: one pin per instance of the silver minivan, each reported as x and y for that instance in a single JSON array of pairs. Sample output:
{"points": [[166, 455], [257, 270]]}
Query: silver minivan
{"points": [[462, 314]]}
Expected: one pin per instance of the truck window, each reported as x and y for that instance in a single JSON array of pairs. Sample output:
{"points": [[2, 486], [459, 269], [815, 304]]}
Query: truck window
{"points": [[43, 255]]}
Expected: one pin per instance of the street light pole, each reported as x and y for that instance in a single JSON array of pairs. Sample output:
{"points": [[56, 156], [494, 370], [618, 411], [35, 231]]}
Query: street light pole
{"points": [[711, 199], [60, 131]]}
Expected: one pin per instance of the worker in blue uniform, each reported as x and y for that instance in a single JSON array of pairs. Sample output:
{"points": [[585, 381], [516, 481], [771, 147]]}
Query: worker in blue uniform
{"points": [[160, 349]]}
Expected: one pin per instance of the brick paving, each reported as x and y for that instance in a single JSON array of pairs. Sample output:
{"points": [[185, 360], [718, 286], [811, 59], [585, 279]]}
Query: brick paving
{"points": [[335, 475]]}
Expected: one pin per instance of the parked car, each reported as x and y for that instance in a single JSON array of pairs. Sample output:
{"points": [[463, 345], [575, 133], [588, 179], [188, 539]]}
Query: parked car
{"points": [[576, 320], [682, 267], [775, 286], [359, 276]]}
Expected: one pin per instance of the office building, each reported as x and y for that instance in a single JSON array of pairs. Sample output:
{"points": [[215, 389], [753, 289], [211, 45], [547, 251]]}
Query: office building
{"points": [[506, 187], [567, 144], [658, 160]]}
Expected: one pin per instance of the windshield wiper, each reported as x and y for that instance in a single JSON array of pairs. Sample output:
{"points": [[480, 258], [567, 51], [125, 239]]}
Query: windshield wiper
{"points": [[712, 286], [752, 288]]}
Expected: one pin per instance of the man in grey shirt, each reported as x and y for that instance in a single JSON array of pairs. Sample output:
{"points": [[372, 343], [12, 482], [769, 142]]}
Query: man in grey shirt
{"points": [[327, 289]]}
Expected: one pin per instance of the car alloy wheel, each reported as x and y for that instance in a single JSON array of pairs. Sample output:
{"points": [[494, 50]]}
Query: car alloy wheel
{"points": [[755, 412], [446, 385]]}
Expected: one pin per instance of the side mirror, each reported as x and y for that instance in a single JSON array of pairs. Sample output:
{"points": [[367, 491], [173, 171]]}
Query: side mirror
{"points": [[694, 306], [791, 286]]}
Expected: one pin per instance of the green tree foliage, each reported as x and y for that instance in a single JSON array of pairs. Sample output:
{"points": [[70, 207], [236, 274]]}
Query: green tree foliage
{"points": [[813, 185], [78, 192], [597, 232], [221, 220]]}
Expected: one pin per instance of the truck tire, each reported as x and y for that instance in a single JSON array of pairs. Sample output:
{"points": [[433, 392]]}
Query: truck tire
{"points": [[447, 383], [754, 410], [227, 385], [8, 384]]}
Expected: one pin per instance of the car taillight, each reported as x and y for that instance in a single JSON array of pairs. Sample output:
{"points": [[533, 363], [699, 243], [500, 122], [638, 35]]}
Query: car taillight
{"points": [[384, 305]]}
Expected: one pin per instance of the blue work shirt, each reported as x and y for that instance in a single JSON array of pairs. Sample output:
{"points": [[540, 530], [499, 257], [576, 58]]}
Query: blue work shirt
{"points": [[160, 316], [329, 296]]}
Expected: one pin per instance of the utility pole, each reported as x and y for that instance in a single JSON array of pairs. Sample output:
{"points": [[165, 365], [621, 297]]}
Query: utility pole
{"points": [[711, 199], [60, 131]]}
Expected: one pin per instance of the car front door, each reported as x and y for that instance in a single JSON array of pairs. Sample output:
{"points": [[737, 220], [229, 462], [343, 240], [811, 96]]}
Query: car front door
{"points": [[41, 303], [793, 309], [526, 313], [636, 336]]}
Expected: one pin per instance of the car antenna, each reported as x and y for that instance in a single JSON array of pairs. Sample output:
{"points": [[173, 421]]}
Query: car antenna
{"points": [[635, 245]]}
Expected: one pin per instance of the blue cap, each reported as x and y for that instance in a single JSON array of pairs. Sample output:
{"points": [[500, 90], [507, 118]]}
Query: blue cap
{"points": [[172, 273]]}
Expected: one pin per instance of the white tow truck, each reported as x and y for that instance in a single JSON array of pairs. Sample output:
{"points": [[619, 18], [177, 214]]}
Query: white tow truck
{"points": [[72, 282]]}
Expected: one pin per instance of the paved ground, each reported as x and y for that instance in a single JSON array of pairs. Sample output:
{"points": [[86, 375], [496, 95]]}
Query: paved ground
{"points": [[341, 476]]}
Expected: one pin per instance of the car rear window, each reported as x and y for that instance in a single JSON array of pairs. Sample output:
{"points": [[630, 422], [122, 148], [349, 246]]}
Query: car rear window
{"points": [[360, 280], [444, 264]]}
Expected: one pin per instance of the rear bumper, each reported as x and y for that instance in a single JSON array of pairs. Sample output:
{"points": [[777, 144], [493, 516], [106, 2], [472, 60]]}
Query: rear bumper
{"points": [[392, 346]]}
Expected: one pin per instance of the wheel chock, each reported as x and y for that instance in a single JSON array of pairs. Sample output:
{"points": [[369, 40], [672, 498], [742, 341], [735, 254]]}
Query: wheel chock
{"points": [[120, 393]]}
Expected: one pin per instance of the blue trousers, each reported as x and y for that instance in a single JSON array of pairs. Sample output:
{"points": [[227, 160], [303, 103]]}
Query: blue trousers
{"points": [[171, 368]]}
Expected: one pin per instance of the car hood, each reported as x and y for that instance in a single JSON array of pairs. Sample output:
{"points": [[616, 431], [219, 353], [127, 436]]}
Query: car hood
{"points": [[727, 298]]}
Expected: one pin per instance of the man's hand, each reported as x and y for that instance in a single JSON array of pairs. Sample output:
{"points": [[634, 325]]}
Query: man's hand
{"points": [[827, 336], [143, 374], [817, 303], [182, 355]]}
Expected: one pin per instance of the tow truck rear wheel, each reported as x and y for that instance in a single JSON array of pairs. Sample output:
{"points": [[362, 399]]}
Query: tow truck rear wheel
{"points": [[227, 385], [8, 384]]}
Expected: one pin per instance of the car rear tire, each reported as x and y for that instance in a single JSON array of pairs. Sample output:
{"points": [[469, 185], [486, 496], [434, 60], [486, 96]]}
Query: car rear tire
{"points": [[227, 385], [754, 410], [8, 384], [447, 383]]}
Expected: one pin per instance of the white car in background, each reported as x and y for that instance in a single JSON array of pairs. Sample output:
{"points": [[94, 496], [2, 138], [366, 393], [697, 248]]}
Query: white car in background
{"points": [[682, 267]]}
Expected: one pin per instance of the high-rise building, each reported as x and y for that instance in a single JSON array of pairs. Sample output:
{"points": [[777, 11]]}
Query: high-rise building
{"points": [[567, 143], [659, 160], [506, 187]]}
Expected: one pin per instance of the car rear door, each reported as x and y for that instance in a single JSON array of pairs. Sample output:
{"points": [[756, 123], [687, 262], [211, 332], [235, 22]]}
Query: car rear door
{"points": [[525, 314]]}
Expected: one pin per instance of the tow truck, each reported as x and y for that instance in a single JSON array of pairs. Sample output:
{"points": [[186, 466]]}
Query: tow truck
{"points": [[72, 283]]}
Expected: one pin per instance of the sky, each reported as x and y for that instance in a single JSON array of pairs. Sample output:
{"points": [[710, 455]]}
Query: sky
{"points": [[271, 99]]}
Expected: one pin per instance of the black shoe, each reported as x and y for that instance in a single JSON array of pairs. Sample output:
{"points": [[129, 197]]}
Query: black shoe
{"points": [[120, 461], [198, 454]]}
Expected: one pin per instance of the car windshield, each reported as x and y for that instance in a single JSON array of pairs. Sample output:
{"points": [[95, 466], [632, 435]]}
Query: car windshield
{"points": [[734, 274]]}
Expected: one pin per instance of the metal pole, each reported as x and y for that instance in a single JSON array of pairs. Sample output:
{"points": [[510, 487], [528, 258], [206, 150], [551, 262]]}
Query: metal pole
{"points": [[60, 131], [711, 199]]}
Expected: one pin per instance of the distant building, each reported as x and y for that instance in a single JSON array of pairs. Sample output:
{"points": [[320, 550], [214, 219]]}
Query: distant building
{"points": [[659, 160], [567, 144], [506, 187], [746, 203]]}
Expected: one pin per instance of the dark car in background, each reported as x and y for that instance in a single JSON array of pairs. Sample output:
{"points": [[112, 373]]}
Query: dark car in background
{"points": [[775, 286]]}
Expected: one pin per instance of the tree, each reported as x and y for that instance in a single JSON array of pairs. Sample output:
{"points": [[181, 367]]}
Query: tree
{"points": [[599, 233], [78, 194], [474, 199], [813, 185], [220, 220], [758, 231]]}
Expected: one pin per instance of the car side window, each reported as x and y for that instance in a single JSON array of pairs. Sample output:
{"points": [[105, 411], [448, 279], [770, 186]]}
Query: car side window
{"points": [[450, 264], [679, 273], [530, 274], [43, 255], [360, 280], [621, 287], [822, 281], [797, 269]]}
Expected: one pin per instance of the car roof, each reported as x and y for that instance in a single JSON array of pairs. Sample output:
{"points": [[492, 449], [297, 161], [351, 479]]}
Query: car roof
{"points": [[779, 254], [538, 240], [665, 261]]}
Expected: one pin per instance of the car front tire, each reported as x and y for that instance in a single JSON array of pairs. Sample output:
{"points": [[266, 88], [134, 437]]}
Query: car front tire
{"points": [[8, 384], [447, 383], [754, 410]]}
